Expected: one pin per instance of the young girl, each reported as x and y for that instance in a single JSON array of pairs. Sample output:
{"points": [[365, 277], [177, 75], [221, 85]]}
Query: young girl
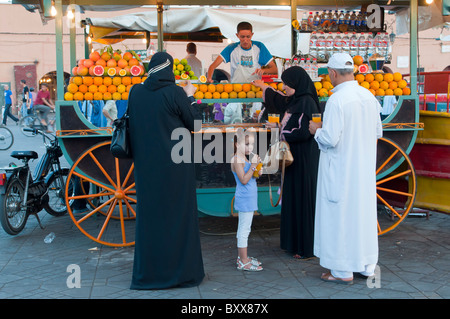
{"points": [[246, 196]]}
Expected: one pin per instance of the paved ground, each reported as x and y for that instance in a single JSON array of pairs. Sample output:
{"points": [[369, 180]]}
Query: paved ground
{"points": [[414, 264]]}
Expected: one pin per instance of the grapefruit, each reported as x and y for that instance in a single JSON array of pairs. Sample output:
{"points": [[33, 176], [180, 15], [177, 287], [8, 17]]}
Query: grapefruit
{"points": [[101, 62], [94, 56], [88, 63], [122, 63], [127, 56], [363, 68], [98, 70], [133, 61], [135, 70], [116, 56], [105, 56], [111, 63], [74, 71], [82, 70]]}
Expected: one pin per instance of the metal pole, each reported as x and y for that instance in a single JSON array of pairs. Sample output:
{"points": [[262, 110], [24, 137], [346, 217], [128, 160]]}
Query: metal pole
{"points": [[293, 33], [59, 51], [73, 42], [413, 45], [160, 26]]}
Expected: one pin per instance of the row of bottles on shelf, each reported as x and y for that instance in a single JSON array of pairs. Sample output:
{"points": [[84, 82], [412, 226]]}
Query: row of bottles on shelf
{"points": [[309, 65], [335, 21], [322, 45]]}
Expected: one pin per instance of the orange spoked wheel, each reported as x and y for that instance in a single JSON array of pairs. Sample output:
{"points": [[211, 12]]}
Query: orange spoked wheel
{"points": [[104, 195], [396, 185], [111, 195]]}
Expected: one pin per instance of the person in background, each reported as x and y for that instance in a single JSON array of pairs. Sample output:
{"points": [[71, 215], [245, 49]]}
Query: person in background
{"points": [[110, 111], [346, 237], [8, 103], [246, 57], [193, 61], [218, 111], [25, 98], [44, 105]]}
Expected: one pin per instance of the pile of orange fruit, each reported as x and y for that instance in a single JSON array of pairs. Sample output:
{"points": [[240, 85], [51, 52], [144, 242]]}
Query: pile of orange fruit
{"points": [[99, 88], [380, 84], [231, 91]]}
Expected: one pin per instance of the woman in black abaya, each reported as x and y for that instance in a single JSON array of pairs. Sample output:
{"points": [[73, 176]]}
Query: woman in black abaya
{"points": [[167, 251], [299, 189]]}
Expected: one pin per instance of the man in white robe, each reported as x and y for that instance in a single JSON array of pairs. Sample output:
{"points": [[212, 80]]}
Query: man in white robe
{"points": [[346, 238]]}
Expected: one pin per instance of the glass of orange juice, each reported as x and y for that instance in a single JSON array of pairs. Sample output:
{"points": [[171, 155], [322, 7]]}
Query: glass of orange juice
{"points": [[257, 112], [317, 117], [274, 118]]}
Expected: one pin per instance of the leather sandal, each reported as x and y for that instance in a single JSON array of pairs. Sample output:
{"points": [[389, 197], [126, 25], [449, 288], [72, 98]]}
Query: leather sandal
{"points": [[328, 277], [242, 266]]}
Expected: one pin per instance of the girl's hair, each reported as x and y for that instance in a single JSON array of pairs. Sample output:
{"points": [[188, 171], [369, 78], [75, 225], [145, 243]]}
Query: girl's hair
{"points": [[240, 135]]}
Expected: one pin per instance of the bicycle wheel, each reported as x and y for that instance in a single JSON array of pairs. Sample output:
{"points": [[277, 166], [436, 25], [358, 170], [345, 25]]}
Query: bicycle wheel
{"points": [[13, 215], [6, 138], [30, 121], [56, 205]]}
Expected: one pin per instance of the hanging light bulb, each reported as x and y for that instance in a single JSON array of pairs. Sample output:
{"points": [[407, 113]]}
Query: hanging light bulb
{"points": [[53, 11], [70, 14], [429, 1]]}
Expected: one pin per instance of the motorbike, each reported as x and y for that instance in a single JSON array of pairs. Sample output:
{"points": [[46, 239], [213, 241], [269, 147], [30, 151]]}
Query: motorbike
{"points": [[23, 193]]}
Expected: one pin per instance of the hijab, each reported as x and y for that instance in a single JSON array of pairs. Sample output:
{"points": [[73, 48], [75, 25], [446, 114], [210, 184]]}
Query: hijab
{"points": [[296, 78], [160, 71]]}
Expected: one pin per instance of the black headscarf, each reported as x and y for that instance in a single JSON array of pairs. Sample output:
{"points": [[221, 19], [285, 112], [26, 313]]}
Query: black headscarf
{"points": [[160, 71], [296, 78]]}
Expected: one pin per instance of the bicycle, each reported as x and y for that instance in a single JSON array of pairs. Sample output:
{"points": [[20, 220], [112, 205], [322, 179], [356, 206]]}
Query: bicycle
{"points": [[33, 121], [6, 138], [23, 194]]}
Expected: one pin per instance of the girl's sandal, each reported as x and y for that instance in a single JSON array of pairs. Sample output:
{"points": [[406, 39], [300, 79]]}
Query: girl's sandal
{"points": [[242, 266], [253, 260]]}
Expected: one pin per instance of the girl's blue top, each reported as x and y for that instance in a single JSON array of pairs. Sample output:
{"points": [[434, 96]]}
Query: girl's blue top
{"points": [[246, 196]]}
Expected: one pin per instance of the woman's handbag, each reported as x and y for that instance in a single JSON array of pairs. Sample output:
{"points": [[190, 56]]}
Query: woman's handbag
{"points": [[120, 141], [278, 155]]}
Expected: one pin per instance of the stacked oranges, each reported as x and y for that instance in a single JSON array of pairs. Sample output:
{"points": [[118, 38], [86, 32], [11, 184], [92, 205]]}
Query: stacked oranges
{"points": [[381, 84], [100, 88], [230, 91]]}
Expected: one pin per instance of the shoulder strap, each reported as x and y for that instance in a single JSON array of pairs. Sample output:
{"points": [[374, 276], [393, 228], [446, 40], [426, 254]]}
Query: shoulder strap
{"points": [[283, 166]]}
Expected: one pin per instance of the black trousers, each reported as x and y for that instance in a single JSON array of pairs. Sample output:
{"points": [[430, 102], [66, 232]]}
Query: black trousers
{"points": [[7, 113]]}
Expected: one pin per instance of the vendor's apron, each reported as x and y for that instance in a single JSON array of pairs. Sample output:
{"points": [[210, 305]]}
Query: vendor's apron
{"points": [[244, 74]]}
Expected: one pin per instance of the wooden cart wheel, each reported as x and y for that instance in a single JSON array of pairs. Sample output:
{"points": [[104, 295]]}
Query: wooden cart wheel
{"points": [[396, 185], [114, 182], [94, 202]]}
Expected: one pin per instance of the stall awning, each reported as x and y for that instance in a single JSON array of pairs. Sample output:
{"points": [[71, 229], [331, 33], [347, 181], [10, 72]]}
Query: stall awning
{"points": [[275, 33]]}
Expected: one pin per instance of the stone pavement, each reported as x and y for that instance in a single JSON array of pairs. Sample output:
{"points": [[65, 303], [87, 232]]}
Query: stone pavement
{"points": [[414, 264]]}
